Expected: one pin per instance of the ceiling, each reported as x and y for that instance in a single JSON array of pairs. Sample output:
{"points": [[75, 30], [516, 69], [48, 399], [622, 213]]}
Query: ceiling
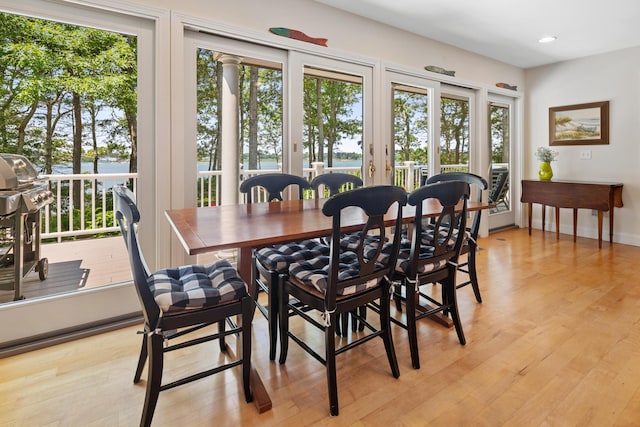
{"points": [[509, 30]]}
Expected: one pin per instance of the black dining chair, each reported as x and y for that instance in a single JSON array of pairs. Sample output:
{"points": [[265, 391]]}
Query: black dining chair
{"points": [[470, 244], [345, 280], [269, 262], [430, 257], [178, 301], [330, 184]]}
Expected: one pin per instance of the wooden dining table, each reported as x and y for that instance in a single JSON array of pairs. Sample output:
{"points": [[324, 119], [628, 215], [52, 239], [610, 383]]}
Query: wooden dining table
{"points": [[250, 226]]}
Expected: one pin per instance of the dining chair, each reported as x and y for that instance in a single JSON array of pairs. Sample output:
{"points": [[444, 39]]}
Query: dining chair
{"points": [[470, 244], [271, 261], [330, 184], [430, 258], [179, 301], [345, 280]]}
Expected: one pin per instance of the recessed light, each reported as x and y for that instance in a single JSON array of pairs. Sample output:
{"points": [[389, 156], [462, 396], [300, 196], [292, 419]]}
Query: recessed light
{"points": [[547, 39]]}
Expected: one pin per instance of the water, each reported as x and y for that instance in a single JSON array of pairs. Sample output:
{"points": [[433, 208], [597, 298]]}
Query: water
{"points": [[123, 167]]}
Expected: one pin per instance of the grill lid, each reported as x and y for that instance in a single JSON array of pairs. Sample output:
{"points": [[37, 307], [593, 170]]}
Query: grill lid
{"points": [[15, 171]]}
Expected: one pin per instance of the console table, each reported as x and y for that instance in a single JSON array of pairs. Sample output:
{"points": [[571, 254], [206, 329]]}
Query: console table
{"points": [[599, 196]]}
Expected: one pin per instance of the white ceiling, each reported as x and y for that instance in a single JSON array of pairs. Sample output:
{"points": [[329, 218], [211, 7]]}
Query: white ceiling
{"points": [[508, 30]]}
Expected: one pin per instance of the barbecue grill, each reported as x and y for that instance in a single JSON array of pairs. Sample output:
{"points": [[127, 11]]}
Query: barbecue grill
{"points": [[22, 195]]}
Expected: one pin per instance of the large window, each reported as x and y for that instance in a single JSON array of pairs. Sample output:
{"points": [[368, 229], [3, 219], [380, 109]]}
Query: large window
{"points": [[454, 134], [68, 102], [332, 119]]}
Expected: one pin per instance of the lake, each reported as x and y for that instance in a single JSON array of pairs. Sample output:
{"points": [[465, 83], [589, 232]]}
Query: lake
{"points": [[123, 167]]}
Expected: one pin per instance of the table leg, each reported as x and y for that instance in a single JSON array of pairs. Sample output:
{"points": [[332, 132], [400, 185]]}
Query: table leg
{"points": [[557, 223], [600, 213], [575, 223], [260, 396], [530, 212], [544, 214], [611, 224]]}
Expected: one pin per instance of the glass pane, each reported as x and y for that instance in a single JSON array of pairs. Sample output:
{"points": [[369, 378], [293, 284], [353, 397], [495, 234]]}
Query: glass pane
{"points": [[259, 116], [500, 146], [69, 105], [332, 121], [454, 135], [410, 134]]}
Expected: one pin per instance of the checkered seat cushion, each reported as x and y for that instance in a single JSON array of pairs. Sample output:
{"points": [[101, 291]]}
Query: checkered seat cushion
{"points": [[427, 236], [404, 260], [280, 257], [351, 241], [196, 286], [315, 273]]}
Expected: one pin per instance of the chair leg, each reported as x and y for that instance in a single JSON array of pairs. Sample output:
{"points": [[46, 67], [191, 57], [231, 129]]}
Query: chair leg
{"points": [[452, 304], [343, 318], [411, 299], [247, 308], [283, 323], [155, 344], [363, 314], [330, 357], [254, 288], [222, 341], [142, 359], [272, 320], [385, 324], [473, 276]]}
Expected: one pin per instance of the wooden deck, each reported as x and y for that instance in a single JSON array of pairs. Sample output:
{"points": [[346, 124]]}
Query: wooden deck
{"points": [[76, 265], [82, 264]]}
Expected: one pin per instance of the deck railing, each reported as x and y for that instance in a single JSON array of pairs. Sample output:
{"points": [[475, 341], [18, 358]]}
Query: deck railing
{"points": [[94, 212]]}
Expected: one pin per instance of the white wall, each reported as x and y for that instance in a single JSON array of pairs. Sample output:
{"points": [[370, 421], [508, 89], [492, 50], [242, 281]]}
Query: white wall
{"points": [[346, 33], [614, 77]]}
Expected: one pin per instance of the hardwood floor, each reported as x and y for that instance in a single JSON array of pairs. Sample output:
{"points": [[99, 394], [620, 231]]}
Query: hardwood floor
{"points": [[555, 343]]}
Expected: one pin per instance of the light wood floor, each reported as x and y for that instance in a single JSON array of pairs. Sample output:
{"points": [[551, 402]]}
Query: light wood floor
{"points": [[555, 343]]}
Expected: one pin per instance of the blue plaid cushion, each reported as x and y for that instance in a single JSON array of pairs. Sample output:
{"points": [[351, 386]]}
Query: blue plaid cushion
{"points": [[351, 241], [427, 236], [280, 257], [315, 273], [404, 261], [196, 286]]}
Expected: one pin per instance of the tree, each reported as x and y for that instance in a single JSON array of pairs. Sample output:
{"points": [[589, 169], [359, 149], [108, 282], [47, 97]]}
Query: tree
{"points": [[454, 131], [410, 125]]}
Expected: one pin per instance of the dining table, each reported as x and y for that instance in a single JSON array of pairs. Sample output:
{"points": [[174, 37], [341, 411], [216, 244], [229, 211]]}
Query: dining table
{"points": [[248, 226]]}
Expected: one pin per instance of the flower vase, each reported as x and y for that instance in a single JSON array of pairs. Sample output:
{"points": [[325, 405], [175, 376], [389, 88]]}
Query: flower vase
{"points": [[545, 173]]}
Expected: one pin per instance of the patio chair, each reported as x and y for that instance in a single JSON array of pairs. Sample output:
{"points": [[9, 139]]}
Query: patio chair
{"points": [[344, 280], [178, 301], [470, 244], [272, 261], [430, 257], [500, 190]]}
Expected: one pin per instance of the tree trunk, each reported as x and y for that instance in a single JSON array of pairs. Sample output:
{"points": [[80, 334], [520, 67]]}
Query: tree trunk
{"points": [[320, 116], [77, 148], [253, 118], [23, 126]]}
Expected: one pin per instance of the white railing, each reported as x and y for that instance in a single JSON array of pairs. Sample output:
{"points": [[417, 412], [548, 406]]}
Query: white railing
{"points": [[98, 187]]}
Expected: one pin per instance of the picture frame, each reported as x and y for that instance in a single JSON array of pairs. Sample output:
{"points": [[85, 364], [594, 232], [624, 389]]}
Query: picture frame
{"points": [[579, 124]]}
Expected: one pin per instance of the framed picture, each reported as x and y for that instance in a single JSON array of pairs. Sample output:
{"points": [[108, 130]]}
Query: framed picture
{"points": [[579, 124]]}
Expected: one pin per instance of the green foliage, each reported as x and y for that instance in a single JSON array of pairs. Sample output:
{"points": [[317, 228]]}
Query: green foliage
{"points": [[43, 64]]}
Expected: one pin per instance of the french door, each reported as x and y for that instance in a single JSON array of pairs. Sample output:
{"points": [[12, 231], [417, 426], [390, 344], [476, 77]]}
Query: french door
{"points": [[413, 127], [47, 316], [501, 136]]}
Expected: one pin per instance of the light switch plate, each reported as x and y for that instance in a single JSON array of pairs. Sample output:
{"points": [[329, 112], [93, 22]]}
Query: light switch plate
{"points": [[585, 155]]}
